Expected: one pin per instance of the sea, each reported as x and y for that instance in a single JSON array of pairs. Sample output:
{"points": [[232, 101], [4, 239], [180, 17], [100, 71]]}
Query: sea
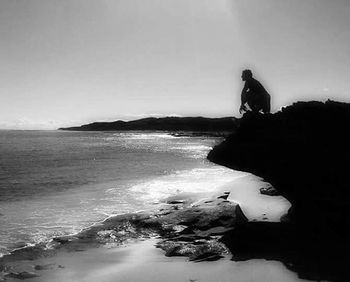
{"points": [[55, 183]]}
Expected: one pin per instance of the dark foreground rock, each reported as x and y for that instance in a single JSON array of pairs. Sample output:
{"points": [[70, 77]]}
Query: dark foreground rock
{"points": [[270, 191], [21, 275], [303, 151]]}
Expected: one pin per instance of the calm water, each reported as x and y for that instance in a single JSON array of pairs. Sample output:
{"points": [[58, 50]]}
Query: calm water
{"points": [[56, 182]]}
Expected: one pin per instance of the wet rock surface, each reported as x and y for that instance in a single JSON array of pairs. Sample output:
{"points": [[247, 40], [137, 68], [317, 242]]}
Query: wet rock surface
{"points": [[21, 275], [201, 228], [270, 191], [184, 228]]}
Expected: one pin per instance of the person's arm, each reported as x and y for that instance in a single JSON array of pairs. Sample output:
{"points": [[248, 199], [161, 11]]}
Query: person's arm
{"points": [[244, 98]]}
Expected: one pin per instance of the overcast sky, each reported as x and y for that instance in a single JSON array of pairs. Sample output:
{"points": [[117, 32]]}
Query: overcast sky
{"points": [[68, 62]]}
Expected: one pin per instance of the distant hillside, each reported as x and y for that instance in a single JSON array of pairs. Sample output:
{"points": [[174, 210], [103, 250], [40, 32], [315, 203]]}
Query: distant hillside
{"points": [[194, 124]]}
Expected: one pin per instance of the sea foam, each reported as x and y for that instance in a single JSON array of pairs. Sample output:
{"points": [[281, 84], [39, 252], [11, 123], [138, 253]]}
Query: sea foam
{"points": [[197, 180]]}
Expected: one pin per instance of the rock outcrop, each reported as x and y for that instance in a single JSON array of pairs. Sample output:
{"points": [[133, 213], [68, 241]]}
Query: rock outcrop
{"points": [[184, 227], [303, 151]]}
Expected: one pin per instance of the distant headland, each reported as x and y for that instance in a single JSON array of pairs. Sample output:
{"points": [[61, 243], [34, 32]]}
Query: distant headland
{"points": [[186, 124]]}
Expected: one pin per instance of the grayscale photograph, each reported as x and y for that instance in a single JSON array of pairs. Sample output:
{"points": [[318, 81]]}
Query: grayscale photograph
{"points": [[174, 140]]}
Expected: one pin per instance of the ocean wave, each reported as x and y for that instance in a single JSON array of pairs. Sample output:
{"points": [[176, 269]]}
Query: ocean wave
{"points": [[196, 180], [68, 186]]}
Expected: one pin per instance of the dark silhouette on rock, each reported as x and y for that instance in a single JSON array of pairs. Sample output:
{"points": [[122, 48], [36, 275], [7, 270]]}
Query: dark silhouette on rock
{"points": [[254, 95], [270, 191], [196, 124], [303, 151]]}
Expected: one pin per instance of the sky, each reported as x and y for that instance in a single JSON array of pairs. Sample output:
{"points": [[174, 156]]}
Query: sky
{"points": [[71, 62]]}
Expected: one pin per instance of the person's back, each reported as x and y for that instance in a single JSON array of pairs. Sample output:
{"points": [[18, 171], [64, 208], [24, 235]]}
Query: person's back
{"points": [[254, 94]]}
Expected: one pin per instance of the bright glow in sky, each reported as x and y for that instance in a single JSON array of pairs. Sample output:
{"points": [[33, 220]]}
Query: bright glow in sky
{"points": [[76, 61]]}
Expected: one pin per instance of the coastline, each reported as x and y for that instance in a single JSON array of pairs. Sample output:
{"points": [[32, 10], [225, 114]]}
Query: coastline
{"points": [[100, 251], [72, 181]]}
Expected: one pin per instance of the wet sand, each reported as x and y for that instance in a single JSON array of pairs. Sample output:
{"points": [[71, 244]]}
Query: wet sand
{"points": [[141, 261], [256, 206]]}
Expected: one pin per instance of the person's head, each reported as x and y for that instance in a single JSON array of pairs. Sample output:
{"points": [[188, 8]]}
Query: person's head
{"points": [[246, 75]]}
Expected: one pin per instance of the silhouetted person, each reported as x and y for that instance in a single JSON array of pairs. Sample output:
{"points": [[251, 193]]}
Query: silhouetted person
{"points": [[254, 95]]}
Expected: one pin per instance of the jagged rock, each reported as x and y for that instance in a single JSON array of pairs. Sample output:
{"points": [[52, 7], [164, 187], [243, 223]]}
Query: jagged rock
{"points": [[196, 251], [176, 202], [270, 191], [191, 231], [107, 233], [21, 275], [224, 196], [44, 266]]}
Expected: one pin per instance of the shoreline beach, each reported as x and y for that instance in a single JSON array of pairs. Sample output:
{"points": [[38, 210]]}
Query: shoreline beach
{"points": [[141, 261], [135, 256]]}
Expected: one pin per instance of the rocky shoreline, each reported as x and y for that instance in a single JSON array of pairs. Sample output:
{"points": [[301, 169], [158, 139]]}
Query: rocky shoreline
{"points": [[184, 226], [189, 225]]}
